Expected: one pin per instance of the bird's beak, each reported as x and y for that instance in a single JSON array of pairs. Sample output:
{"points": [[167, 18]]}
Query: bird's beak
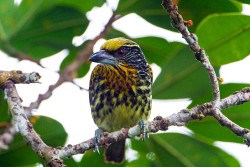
{"points": [[103, 57]]}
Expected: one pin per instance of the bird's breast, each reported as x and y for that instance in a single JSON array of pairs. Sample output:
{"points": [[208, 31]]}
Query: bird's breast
{"points": [[121, 99]]}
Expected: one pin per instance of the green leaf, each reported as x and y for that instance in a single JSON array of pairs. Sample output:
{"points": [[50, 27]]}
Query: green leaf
{"points": [[85, 7], [244, 1], [210, 128], [152, 11], [50, 32], [227, 42], [91, 158], [71, 162], [55, 136], [13, 18], [173, 149], [194, 10], [181, 77], [197, 10], [20, 154]]}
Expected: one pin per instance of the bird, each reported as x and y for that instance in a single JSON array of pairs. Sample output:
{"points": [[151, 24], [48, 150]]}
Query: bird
{"points": [[120, 90]]}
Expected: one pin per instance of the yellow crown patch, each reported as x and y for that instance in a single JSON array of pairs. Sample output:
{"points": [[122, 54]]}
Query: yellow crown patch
{"points": [[116, 43]]}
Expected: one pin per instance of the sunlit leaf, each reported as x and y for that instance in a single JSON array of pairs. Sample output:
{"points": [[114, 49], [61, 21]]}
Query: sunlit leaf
{"points": [[180, 150], [224, 37], [181, 77], [244, 1]]}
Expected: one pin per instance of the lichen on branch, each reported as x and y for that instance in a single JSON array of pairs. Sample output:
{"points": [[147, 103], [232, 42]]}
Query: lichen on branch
{"points": [[18, 77]]}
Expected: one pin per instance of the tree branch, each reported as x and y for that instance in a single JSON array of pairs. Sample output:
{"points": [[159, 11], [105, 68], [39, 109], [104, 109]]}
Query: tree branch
{"points": [[18, 77], [53, 156], [179, 119], [25, 128]]}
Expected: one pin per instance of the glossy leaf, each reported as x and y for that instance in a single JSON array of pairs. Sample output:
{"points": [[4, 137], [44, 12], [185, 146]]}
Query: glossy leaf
{"points": [[244, 1], [224, 37], [13, 17], [20, 154], [210, 128], [181, 77], [83, 6], [172, 149], [56, 136], [194, 10], [71, 162], [50, 32]]}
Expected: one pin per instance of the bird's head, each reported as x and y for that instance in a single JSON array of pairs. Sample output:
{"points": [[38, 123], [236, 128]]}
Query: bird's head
{"points": [[120, 52]]}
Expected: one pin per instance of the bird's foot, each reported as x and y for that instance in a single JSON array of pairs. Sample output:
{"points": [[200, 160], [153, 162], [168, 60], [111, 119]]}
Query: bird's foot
{"points": [[144, 129], [97, 137]]}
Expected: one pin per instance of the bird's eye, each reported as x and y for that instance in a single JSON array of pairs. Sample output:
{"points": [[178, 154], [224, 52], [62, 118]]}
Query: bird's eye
{"points": [[120, 52]]}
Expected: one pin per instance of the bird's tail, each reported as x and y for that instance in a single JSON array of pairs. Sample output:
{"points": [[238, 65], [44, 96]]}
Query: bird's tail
{"points": [[115, 153]]}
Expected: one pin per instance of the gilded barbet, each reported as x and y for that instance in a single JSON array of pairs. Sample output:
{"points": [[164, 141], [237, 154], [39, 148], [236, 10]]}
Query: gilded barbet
{"points": [[119, 90]]}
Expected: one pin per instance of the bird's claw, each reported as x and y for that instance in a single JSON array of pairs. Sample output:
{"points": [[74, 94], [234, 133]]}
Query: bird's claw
{"points": [[144, 128], [97, 137]]}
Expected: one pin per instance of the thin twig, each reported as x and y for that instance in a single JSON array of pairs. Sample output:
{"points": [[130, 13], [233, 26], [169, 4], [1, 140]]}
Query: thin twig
{"points": [[181, 25], [34, 105]]}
